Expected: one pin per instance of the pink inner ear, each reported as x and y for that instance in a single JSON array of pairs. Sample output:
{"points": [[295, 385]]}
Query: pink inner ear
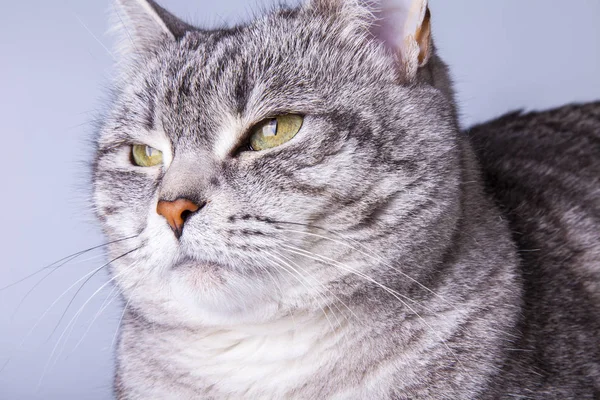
{"points": [[390, 20], [396, 20]]}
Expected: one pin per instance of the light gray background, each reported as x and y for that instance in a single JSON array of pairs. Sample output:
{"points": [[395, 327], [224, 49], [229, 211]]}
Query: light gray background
{"points": [[504, 55]]}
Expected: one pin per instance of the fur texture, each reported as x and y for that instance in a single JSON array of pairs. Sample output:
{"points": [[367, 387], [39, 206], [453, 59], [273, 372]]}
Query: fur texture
{"points": [[362, 259], [544, 171]]}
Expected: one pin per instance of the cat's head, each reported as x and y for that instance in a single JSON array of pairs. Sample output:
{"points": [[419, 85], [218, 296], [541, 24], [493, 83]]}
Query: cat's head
{"points": [[282, 164]]}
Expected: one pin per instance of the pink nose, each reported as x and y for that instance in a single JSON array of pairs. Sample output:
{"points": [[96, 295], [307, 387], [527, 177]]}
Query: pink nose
{"points": [[176, 212]]}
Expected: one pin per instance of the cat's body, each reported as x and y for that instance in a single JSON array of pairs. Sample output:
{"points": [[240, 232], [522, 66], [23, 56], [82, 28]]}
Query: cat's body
{"points": [[544, 170], [552, 351], [361, 258]]}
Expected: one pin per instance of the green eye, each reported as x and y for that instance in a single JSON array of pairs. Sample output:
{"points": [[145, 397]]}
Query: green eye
{"points": [[146, 156], [275, 131]]}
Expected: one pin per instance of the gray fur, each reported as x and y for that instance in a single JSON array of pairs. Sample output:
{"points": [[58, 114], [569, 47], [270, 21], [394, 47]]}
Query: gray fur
{"points": [[543, 169], [365, 258]]}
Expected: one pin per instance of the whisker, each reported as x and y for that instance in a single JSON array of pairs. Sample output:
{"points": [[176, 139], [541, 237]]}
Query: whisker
{"points": [[392, 292], [329, 290], [39, 282], [93, 35], [275, 282], [104, 305], [70, 328], [67, 258], [378, 258], [48, 310], [82, 286], [102, 308], [306, 253], [76, 315], [308, 289], [323, 298], [278, 285], [114, 339], [126, 28]]}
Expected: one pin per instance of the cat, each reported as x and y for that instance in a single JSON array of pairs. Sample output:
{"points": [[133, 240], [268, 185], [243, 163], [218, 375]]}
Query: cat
{"points": [[295, 214]]}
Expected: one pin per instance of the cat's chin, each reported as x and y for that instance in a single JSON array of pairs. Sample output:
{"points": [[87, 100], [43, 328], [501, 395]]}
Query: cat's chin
{"points": [[201, 272], [207, 293], [180, 288]]}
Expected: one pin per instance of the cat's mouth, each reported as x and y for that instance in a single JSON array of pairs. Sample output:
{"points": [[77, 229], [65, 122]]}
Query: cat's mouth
{"points": [[200, 274], [197, 265]]}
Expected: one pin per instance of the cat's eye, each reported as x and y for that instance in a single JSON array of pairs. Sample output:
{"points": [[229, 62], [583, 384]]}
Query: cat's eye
{"points": [[146, 156], [275, 131]]}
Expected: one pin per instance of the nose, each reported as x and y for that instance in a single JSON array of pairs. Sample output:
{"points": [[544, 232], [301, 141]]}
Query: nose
{"points": [[176, 213]]}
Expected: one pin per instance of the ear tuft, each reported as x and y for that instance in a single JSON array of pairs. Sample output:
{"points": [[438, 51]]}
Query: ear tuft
{"points": [[143, 24]]}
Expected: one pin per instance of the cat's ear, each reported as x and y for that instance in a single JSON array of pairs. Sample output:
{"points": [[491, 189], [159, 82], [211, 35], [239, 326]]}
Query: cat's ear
{"points": [[143, 24], [402, 25], [405, 27]]}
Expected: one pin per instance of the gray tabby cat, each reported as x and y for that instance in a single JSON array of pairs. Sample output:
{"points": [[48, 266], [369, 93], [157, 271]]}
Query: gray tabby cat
{"points": [[298, 216]]}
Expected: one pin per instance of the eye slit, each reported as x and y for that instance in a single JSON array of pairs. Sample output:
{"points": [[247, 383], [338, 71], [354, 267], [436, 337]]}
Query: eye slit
{"points": [[145, 156], [275, 131]]}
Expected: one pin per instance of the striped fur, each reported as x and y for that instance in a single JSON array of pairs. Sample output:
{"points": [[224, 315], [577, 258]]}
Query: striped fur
{"points": [[369, 257]]}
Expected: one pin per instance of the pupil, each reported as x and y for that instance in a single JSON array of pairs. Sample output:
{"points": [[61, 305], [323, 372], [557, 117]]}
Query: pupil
{"points": [[148, 151]]}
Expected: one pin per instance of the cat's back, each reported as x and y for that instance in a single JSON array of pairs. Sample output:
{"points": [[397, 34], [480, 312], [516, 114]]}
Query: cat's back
{"points": [[543, 169], [560, 145]]}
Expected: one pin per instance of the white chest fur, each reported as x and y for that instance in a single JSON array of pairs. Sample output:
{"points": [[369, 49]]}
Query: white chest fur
{"points": [[269, 361]]}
